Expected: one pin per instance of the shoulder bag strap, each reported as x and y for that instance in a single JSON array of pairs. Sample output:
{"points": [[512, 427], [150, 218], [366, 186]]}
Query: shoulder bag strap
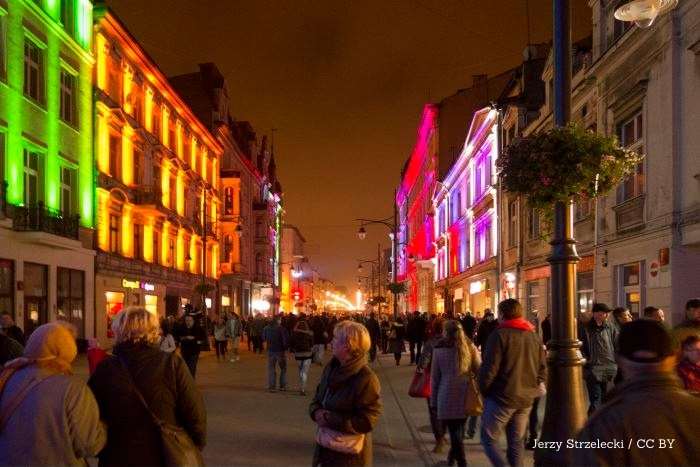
{"points": [[132, 383], [18, 398]]}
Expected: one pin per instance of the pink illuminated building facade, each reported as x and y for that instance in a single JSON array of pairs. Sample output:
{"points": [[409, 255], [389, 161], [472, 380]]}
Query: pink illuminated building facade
{"points": [[416, 232], [466, 226]]}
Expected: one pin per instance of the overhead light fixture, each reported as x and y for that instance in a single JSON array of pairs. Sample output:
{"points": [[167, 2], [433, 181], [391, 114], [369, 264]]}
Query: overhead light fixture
{"points": [[643, 13], [361, 233]]}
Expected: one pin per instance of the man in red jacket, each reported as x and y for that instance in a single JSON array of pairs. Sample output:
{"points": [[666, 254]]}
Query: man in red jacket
{"points": [[512, 375]]}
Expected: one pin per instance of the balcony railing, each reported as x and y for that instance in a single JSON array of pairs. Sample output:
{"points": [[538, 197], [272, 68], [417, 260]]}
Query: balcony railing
{"points": [[148, 195], [38, 218], [630, 214]]}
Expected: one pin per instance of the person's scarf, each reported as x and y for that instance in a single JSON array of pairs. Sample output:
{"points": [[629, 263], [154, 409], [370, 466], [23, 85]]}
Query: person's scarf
{"points": [[50, 346], [517, 323], [342, 372]]}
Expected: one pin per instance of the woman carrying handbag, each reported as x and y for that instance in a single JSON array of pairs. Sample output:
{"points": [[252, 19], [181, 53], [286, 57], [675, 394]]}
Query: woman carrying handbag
{"points": [[454, 364]]}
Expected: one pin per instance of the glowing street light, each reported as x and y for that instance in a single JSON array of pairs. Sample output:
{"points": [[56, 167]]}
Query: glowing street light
{"points": [[643, 13]]}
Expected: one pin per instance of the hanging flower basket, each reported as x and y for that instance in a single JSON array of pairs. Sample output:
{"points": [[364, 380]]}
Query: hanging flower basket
{"points": [[564, 163], [397, 288]]}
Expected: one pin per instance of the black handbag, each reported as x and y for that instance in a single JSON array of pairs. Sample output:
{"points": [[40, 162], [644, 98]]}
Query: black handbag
{"points": [[178, 448]]}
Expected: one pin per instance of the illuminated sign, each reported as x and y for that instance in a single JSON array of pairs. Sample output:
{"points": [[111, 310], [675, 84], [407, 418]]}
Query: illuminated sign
{"points": [[477, 286], [225, 300], [127, 284], [148, 286]]}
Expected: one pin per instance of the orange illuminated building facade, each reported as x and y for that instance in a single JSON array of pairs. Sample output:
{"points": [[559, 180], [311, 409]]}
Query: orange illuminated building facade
{"points": [[157, 202]]}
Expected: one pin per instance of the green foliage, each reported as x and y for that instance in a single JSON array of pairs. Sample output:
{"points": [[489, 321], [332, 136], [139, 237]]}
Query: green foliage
{"points": [[397, 288], [564, 163]]}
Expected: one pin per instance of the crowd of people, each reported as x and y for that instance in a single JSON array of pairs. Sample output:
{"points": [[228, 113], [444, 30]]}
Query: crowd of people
{"points": [[491, 368]]}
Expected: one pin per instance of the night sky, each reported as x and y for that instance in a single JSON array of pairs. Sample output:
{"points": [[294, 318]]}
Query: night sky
{"points": [[343, 82]]}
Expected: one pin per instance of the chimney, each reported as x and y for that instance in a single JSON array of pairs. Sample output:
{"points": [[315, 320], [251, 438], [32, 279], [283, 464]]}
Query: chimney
{"points": [[479, 80]]}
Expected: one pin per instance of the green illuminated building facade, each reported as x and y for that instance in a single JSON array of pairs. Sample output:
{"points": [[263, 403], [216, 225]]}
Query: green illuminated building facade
{"points": [[46, 161]]}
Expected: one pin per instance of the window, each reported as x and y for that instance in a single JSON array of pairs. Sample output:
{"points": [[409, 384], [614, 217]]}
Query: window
{"points": [[33, 79], [538, 297], [138, 241], [464, 248], [70, 302], [138, 166], [155, 125], [173, 194], [630, 274], [512, 223], [31, 178], [456, 207], [156, 247], [114, 222], [3, 44], [584, 283], [172, 136], [7, 286], [228, 248], [114, 79], [115, 156], [584, 208], [186, 148], [228, 201], [68, 92], [67, 184], [171, 252], [67, 15], [631, 135], [619, 28], [483, 240], [533, 224]]}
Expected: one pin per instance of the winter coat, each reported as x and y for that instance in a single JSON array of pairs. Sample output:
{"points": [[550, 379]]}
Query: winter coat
{"points": [[233, 327], [9, 349], [599, 349], [469, 325], [513, 366], [653, 407], [372, 326], [448, 387], [352, 397], [167, 386], [220, 332], [396, 339], [415, 330], [301, 344], [191, 347], [276, 338], [426, 354], [57, 423], [485, 329]]}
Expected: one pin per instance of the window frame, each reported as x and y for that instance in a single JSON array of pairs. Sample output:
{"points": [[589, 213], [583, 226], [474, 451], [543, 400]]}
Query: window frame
{"points": [[638, 178], [37, 173], [38, 66], [69, 187], [114, 229], [68, 114]]}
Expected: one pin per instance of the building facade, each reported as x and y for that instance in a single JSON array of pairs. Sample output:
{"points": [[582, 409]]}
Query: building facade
{"points": [[157, 196], [292, 272], [47, 194], [647, 83]]}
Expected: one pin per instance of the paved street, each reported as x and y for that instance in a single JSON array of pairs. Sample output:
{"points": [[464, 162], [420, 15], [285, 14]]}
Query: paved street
{"points": [[249, 426]]}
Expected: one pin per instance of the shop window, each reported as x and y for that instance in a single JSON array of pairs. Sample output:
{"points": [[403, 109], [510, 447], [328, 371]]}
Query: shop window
{"points": [[7, 289], [114, 303], [70, 295], [150, 302], [35, 296], [536, 298]]}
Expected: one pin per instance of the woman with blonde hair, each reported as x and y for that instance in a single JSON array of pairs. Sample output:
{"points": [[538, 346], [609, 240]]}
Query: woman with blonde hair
{"points": [[347, 404], [47, 416], [140, 382], [455, 361]]}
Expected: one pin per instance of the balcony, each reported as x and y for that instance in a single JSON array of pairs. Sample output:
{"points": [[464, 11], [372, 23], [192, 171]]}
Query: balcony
{"points": [[629, 215], [38, 218], [147, 195]]}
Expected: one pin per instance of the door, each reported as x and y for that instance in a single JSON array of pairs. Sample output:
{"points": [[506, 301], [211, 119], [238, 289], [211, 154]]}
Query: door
{"points": [[35, 296]]}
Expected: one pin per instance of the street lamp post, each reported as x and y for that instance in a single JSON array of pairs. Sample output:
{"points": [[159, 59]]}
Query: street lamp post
{"points": [[392, 224], [565, 412]]}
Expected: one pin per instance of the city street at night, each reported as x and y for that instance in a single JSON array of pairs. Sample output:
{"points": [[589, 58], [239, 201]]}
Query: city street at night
{"points": [[470, 231]]}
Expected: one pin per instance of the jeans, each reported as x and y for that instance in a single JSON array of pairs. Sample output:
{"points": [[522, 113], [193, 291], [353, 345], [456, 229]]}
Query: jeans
{"points": [[597, 387], [317, 351], [191, 362], [415, 349], [257, 344], [495, 418], [534, 421], [456, 429], [275, 359], [471, 426], [436, 424], [235, 342], [220, 349], [303, 372]]}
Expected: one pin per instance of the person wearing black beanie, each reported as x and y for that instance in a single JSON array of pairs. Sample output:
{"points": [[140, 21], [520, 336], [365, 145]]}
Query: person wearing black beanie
{"points": [[648, 419]]}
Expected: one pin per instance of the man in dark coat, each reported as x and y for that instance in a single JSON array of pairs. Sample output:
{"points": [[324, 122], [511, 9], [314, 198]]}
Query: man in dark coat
{"points": [[11, 329], [511, 376], [650, 406], [9, 349], [486, 327], [469, 325], [599, 339], [277, 340], [191, 339], [374, 335], [415, 333]]}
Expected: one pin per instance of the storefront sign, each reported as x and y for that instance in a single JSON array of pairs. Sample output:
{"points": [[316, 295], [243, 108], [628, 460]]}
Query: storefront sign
{"points": [[458, 294], [127, 284], [148, 286], [225, 300]]}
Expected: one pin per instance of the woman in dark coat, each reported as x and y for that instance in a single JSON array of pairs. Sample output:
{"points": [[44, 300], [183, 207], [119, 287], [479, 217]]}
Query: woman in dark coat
{"points": [[347, 397], [396, 340], [165, 383]]}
